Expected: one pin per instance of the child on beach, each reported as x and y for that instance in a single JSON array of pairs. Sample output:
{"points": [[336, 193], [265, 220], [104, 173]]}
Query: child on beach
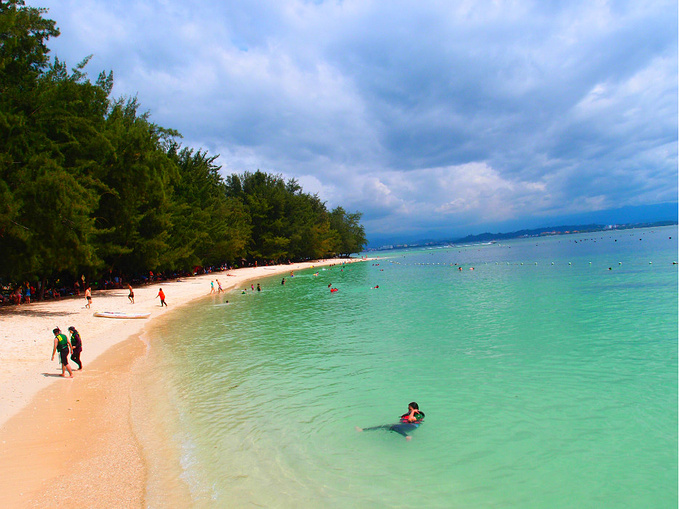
{"points": [[63, 346], [88, 296], [130, 296]]}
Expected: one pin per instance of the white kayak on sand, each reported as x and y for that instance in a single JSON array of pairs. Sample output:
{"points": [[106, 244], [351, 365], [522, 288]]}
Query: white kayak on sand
{"points": [[120, 314]]}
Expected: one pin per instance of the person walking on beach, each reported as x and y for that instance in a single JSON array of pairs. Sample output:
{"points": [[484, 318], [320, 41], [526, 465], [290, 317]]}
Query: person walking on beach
{"points": [[130, 296], [212, 287], [88, 296], [161, 294], [219, 287], [77, 346], [63, 346]]}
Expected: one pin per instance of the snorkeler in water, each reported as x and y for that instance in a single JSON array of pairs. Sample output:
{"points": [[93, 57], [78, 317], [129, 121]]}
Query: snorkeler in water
{"points": [[408, 422]]}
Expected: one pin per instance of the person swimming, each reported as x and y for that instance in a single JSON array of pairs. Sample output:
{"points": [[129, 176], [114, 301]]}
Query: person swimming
{"points": [[408, 422]]}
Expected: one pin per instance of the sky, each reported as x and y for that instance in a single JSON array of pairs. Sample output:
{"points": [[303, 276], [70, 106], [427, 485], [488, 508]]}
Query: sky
{"points": [[433, 118]]}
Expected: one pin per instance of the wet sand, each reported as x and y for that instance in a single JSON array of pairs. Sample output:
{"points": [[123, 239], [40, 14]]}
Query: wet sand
{"points": [[74, 444]]}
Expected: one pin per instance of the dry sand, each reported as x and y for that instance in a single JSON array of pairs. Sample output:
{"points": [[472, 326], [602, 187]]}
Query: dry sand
{"points": [[71, 440]]}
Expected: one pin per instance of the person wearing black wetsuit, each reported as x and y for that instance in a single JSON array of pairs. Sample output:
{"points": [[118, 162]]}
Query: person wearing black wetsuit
{"points": [[77, 345], [409, 422]]}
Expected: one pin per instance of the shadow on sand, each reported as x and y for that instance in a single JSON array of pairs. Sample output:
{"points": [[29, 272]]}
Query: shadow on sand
{"points": [[34, 312]]}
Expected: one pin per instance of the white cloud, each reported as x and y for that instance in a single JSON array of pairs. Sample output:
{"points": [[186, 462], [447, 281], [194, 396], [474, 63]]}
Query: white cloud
{"points": [[419, 114]]}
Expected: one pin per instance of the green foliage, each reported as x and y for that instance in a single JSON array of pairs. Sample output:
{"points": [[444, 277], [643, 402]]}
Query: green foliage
{"points": [[134, 214], [290, 224], [23, 44], [351, 232], [89, 185], [208, 227]]}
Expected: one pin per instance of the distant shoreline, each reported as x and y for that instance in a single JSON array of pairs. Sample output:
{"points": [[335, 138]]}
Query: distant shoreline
{"points": [[535, 232]]}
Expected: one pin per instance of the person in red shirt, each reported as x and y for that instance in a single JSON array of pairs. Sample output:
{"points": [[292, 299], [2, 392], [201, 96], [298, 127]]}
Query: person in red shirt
{"points": [[162, 298]]}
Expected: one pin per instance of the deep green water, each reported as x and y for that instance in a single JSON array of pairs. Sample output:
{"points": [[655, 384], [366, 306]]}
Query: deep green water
{"points": [[548, 380]]}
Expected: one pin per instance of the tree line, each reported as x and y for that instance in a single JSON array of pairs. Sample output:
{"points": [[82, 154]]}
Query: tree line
{"points": [[90, 185]]}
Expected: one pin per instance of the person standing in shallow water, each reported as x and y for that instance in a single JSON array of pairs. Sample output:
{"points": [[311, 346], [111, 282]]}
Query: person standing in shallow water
{"points": [[63, 346], [77, 346]]}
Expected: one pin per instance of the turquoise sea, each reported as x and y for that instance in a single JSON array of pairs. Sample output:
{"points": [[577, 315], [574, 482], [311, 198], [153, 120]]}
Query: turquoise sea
{"points": [[548, 375]]}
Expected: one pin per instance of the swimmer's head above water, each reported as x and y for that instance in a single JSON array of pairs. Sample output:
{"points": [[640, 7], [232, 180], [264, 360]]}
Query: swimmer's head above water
{"points": [[413, 414], [408, 422]]}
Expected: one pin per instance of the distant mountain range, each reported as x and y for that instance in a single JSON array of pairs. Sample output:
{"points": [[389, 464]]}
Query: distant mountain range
{"points": [[537, 232]]}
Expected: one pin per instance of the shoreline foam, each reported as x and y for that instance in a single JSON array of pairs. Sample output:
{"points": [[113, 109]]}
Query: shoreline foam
{"points": [[66, 440]]}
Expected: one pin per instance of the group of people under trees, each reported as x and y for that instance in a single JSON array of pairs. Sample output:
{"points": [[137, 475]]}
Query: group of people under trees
{"points": [[26, 293]]}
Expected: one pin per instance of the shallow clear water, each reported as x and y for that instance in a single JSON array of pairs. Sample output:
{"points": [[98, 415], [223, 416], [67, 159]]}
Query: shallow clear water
{"points": [[548, 380]]}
